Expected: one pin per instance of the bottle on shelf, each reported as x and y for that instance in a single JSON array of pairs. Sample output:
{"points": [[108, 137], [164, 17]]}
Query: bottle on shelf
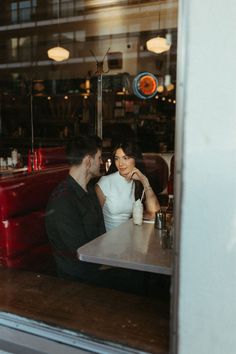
{"points": [[32, 160], [170, 206], [14, 156], [170, 210]]}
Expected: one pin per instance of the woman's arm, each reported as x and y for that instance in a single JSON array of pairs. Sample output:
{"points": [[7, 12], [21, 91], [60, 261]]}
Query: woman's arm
{"points": [[100, 195], [151, 202]]}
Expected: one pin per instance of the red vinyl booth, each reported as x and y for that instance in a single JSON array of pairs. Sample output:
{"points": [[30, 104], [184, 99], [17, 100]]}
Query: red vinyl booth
{"points": [[157, 171], [23, 239], [23, 197]]}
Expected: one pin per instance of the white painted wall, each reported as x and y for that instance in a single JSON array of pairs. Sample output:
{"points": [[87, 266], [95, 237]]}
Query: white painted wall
{"points": [[206, 169]]}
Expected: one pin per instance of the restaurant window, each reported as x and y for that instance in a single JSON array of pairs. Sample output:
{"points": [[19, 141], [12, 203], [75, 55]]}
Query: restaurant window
{"points": [[24, 48], [14, 12], [22, 11], [68, 37], [60, 100], [14, 48], [79, 6], [67, 8]]}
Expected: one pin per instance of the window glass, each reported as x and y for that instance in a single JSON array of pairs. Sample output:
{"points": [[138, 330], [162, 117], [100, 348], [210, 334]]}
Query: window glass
{"points": [[24, 48], [14, 47], [68, 36], [14, 14], [67, 8], [80, 36], [79, 5], [110, 81], [24, 11]]}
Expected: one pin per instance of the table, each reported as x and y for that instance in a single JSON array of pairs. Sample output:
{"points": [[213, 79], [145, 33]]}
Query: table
{"points": [[130, 246]]}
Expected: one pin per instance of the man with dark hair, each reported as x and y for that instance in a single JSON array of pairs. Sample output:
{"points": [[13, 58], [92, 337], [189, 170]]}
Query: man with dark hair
{"points": [[74, 215], [74, 218]]}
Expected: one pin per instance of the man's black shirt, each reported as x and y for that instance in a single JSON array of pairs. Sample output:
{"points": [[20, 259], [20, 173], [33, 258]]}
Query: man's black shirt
{"points": [[73, 218]]}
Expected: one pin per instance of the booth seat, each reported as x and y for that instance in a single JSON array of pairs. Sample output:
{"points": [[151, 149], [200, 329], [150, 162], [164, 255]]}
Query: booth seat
{"points": [[157, 171], [23, 239], [51, 156]]}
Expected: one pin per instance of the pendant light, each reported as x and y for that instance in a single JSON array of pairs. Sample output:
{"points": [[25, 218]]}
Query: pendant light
{"points": [[159, 44], [58, 53]]}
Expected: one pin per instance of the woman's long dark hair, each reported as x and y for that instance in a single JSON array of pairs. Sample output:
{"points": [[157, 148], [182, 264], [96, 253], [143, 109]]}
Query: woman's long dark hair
{"points": [[131, 149]]}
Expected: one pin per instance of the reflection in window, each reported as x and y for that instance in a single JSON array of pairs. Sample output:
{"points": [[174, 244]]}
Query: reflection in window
{"points": [[80, 36], [24, 48], [67, 37], [14, 15], [13, 48], [79, 6], [67, 8], [22, 11]]}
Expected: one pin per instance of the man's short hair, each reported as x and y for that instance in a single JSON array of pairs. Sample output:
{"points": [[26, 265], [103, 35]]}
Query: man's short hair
{"points": [[81, 146]]}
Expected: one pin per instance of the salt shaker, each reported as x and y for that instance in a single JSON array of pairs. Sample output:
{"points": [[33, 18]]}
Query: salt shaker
{"points": [[160, 220], [138, 212]]}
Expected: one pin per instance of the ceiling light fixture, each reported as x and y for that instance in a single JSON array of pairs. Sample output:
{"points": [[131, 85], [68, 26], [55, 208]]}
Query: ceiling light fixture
{"points": [[58, 53], [159, 44]]}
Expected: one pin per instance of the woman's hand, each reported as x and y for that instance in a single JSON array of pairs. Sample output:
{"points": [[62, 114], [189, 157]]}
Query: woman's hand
{"points": [[137, 175], [151, 202]]}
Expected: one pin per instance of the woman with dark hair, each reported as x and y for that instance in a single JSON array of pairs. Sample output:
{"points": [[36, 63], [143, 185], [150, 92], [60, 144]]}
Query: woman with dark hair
{"points": [[123, 184]]}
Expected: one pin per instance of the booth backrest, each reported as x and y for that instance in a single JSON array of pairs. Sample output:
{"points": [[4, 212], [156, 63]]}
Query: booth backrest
{"points": [[23, 194], [51, 156], [157, 171], [23, 239]]}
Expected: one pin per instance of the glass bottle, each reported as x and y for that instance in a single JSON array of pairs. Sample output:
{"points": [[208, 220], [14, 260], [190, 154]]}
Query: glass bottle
{"points": [[170, 210], [170, 207], [14, 156]]}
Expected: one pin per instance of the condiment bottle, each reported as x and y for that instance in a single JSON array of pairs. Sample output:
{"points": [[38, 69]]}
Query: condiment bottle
{"points": [[170, 209]]}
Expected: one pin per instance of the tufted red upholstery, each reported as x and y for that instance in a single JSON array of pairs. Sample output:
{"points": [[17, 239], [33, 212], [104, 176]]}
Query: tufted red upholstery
{"points": [[23, 239], [23, 194]]}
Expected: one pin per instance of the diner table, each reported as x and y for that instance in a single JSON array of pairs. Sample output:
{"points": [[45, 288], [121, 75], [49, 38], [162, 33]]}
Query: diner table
{"points": [[138, 247]]}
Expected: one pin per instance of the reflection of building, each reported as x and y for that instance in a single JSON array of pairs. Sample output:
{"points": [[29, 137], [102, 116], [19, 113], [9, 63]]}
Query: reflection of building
{"points": [[29, 30], [87, 29]]}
